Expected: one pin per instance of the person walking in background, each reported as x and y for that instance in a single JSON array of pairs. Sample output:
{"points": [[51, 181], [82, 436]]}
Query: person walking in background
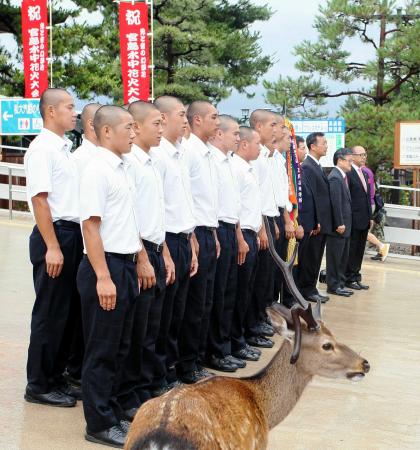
{"points": [[376, 232]]}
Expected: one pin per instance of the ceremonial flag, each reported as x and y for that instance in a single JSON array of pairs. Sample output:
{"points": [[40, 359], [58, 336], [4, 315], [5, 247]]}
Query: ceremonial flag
{"points": [[134, 51], [35, 47]]}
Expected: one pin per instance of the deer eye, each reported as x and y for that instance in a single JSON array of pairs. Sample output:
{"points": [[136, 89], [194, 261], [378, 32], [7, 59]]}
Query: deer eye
{"points": [[328, 346]]}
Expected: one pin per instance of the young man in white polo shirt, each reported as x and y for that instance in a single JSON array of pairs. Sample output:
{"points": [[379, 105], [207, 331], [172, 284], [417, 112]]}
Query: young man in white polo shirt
{"points": [[250, 220], [107, 279], [204, 122], [55, 248], [180, 224], [218, 352]]}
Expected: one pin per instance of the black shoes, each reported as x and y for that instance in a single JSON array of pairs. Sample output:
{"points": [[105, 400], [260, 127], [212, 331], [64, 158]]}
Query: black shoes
{"points": [[125, 425], [357, 285], [194, 376], [164, 389], [71, 390], [264, 329], [129, 414], [315, 297], [258, 341], [246, 354], [221, 364], [52, 398], [339, 291], [113, 437], [239, 363]]}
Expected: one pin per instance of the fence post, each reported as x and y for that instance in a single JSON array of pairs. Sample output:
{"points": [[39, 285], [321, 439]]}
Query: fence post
{"points": [[10, 194]]}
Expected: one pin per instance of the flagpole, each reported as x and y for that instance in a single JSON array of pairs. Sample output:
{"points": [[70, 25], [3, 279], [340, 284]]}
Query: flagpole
{"points": [[50, 28], [152, 60]]}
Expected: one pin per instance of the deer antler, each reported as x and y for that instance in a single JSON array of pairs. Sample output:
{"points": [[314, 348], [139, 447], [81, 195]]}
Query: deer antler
{"points": [[302, 308]]}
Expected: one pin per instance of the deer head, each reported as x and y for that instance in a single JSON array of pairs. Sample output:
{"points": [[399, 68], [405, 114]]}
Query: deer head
{"points": [[320, 353]]}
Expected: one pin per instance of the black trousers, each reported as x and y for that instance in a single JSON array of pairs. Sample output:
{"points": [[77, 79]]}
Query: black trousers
{"points": [[337, 258], [218, 341], [141, 361], [263, 290], [356, 252], [173, 308], [56, 311], [107, 338], [281, 245], [246, 279], [310, 264], [194, 328]]}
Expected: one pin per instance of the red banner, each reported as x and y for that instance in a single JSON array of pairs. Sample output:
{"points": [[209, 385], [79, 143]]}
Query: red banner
{"points": [[134, 51], [35, 47]]}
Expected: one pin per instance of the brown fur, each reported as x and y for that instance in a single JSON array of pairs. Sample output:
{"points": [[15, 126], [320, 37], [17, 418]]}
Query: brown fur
{"points": [[222, 413]]}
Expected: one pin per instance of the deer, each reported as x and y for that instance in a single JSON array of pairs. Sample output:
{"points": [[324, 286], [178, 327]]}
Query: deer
{"points": [[225, 413]]}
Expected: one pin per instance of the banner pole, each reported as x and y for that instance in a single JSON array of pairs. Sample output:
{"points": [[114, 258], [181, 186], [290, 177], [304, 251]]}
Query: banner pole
{"points": [[152, 52], [51, 43]]}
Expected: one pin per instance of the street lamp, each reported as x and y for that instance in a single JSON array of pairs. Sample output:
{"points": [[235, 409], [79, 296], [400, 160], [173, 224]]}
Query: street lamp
{"points": [[245, 115]]}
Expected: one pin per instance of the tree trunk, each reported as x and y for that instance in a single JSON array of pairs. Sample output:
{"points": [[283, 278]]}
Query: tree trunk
{"points": [[379, 100]]}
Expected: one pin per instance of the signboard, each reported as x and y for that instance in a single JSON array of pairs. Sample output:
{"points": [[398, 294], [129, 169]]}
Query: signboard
{"points": [[35, 47], [334, 130], [20, 116], [134, 51], [407, 145]]}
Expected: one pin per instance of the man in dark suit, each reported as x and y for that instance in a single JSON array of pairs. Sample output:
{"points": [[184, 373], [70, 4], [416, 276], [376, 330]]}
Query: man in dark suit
{"points": [[361, 218], [317, 182], [338, 240]]}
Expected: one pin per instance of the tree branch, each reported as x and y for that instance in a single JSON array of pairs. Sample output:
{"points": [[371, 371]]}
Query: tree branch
{"points": [[340, 94], [401, 81]]}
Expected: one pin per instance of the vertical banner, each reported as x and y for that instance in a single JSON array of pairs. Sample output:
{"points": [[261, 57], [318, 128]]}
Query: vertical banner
{"points": [[134, 51], [35, 47]]}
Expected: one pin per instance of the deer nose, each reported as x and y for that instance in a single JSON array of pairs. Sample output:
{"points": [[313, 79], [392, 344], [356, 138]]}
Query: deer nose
{"points": [[366, 366]]}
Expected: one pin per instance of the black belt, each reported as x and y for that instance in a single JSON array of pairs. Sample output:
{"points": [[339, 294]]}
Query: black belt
{"points": [[67, 224], [251, 232], [186, 236], [205, 228], [131, 257], [281, 210], [227, 225], [152, 246]]}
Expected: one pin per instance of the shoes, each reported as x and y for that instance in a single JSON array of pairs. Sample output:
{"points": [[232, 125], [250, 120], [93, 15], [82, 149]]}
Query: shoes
{"points": [[192, 377], [71, 390], [221, 364], [203, 372], [255, 350], [258, 341], [52, 398], [315, 297], [349, 291], [377, 257], [384, 252], [71, 380], [264, 329], [129, 414], [363, 286], [356, 285], [245, 354], [113, 437], [166, 388], [239, 363], [340, 292], [125, 425]]}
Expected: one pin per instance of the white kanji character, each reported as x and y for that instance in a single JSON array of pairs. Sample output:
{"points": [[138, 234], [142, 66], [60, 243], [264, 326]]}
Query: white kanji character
{"points": [[34, 12], [132, 17]]}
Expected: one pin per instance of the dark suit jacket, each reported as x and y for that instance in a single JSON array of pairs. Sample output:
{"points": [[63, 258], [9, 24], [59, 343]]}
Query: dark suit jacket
{"points": [[307, 215], [340, 203], [360, 201], [318, 182]]}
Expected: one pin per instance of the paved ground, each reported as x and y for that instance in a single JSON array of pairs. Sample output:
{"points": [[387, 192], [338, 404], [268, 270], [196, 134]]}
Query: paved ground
{"points": [[381, 412]]}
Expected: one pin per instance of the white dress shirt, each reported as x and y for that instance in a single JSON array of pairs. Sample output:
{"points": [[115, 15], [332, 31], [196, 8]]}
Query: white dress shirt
{"points": [[263, 172], [280, 180], [149, 200], [229, 198], [50, 168], [179, 209], [83, 154], [250, 216], [203, 179], [107, 191], [312, 157]]}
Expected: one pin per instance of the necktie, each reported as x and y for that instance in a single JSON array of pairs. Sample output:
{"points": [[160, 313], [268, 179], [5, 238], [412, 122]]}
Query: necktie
{"points": [[362, 179], [346, 181]]}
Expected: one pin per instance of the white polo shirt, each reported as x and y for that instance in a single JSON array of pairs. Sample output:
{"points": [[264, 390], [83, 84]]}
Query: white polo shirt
{"points": [[250, 215], [265, 180], [50, 168], [107, 191], [83, 154], [280, 180], [179, 209], [228, 189], [203, 179], [149, 200]]}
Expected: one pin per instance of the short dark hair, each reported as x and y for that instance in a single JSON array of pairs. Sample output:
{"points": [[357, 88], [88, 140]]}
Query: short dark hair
{"points": [[341, 153], [299, 139], [312, 138]]}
